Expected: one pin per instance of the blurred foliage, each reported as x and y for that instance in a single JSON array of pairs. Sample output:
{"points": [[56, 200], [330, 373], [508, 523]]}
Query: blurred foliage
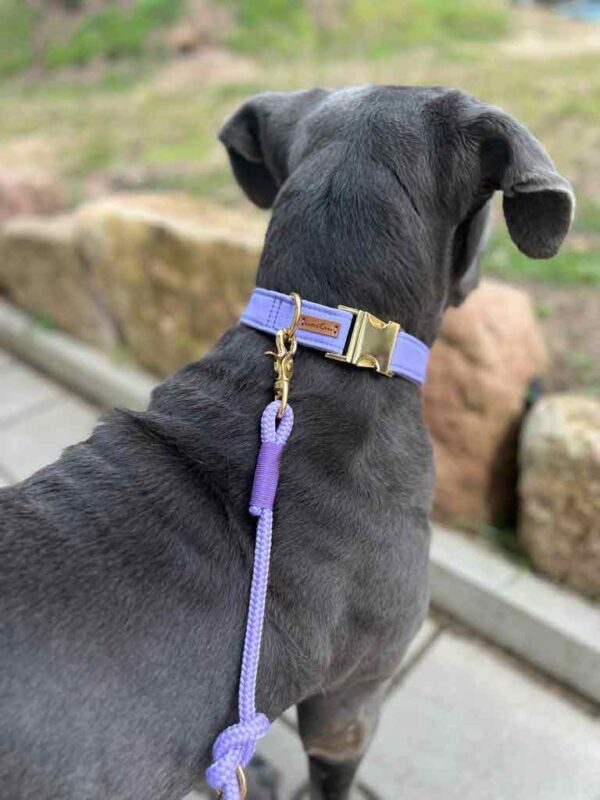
{"points": [[276, 27], [360, 26], [17, 26], [113, 32], [570, 265]]}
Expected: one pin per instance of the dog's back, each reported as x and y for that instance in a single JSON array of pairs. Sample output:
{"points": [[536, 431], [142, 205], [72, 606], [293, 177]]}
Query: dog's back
{"points": [[126, 568], [108, 580], [126, 565]]}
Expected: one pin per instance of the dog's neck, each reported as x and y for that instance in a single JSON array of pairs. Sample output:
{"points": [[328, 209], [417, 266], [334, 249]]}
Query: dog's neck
{"points": [[366, 251], [375, 257]]}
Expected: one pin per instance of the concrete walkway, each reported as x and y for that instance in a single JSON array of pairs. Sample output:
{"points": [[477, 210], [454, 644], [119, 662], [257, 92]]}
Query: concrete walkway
{"points": [[465, 722]]}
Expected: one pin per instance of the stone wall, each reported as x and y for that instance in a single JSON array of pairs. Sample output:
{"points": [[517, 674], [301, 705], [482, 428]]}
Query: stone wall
{"points": [[159, 275]]}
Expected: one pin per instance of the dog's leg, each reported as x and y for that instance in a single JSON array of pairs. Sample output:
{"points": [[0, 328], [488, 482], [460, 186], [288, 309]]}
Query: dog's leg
{"points": [[336, 729]]}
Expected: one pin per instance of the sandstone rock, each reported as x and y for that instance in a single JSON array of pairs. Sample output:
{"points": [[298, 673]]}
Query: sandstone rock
{"points": [[481, 367], [22, 194], [163, 275], [41, 270], [174, 272], [559, 520]]}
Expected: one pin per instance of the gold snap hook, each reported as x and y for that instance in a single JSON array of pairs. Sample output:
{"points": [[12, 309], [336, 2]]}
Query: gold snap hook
{"points": [[286, 343], [243, 784]]}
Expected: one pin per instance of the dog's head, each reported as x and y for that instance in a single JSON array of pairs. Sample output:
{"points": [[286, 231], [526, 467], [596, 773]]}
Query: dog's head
{"points": [[390, 186]]}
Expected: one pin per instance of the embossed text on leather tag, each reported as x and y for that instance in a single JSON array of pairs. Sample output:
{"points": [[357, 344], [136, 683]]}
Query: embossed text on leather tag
{"points": [[316, 325]]}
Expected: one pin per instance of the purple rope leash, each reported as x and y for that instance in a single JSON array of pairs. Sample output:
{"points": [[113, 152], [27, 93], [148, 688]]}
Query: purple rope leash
{"points": [[235, 746]]}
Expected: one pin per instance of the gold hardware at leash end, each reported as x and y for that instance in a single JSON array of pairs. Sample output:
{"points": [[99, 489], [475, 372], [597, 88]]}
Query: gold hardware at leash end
{"points": [[286, 347], [242, 781]]}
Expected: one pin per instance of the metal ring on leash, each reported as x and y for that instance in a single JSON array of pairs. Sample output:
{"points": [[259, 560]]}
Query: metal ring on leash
{"points": [[242, 781], [293, 327]]}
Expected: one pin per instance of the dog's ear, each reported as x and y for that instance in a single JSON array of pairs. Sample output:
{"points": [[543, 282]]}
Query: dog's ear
{"points": [[258, 138], [538, 203], [469, 243]]}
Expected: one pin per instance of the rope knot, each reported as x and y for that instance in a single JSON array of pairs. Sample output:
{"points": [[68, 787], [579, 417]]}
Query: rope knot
{"points": [[234, 747]]}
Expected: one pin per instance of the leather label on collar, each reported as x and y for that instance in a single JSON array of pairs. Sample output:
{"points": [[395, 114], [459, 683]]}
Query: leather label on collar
{"points": [[316, 325]]}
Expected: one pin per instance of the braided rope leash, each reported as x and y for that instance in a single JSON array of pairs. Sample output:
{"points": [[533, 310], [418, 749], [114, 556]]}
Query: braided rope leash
{"points": [[235, 746]]}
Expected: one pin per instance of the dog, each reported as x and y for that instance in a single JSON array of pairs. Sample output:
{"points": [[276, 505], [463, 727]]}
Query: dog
{"points": [[126, 565]]}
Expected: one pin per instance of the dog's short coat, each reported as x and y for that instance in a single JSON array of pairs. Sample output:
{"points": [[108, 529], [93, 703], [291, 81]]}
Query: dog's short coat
{"points": [[126, 564]]}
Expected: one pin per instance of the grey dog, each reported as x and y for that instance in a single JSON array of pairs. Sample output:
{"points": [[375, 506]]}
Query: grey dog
{"points": [[126, 564]]}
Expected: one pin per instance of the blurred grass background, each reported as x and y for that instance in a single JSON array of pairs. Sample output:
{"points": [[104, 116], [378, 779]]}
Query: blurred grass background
{"points": [[129, 94], [120, 29]]}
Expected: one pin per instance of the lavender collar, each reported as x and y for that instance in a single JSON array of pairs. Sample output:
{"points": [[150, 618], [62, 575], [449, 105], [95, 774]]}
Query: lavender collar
{"points": [[348, 335]]}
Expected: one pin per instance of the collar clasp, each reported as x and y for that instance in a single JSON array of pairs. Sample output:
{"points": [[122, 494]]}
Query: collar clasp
{"points": [[371, 343]]}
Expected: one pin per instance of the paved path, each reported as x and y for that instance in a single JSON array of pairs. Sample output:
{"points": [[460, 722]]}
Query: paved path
{"points": [[465, 722]]}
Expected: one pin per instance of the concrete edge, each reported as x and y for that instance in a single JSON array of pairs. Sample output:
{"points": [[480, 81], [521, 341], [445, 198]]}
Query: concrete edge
{"points": [[78, 366], [551, 628], [546, 625]]}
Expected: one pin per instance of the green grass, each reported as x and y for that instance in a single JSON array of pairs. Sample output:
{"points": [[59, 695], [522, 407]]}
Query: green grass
{"points": [[506, 540], [361, 27], [17, 25], [578, 260], [385, 26], [43, 321], [260, 27], [275, 26], [503, 260], [585, 369], [113, 32], [587, 219]]}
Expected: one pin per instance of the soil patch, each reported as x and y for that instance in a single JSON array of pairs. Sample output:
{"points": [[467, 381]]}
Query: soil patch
{"points": [[570, 318]]}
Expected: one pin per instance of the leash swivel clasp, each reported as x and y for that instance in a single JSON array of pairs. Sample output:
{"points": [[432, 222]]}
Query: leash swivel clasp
{"points": [[287, 345]]}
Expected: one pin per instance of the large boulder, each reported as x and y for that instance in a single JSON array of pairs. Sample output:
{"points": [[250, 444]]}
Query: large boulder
{"points": [[24, 194], [559, 519], [488, 352], [42, 271], [175, 272]]}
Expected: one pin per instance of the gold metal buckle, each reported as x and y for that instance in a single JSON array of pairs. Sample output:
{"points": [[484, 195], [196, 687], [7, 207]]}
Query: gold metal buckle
{"points": [[371, 343]]}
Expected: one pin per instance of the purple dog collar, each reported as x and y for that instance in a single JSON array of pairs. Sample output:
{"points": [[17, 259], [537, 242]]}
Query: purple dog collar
{"points": [[344, 334]]}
